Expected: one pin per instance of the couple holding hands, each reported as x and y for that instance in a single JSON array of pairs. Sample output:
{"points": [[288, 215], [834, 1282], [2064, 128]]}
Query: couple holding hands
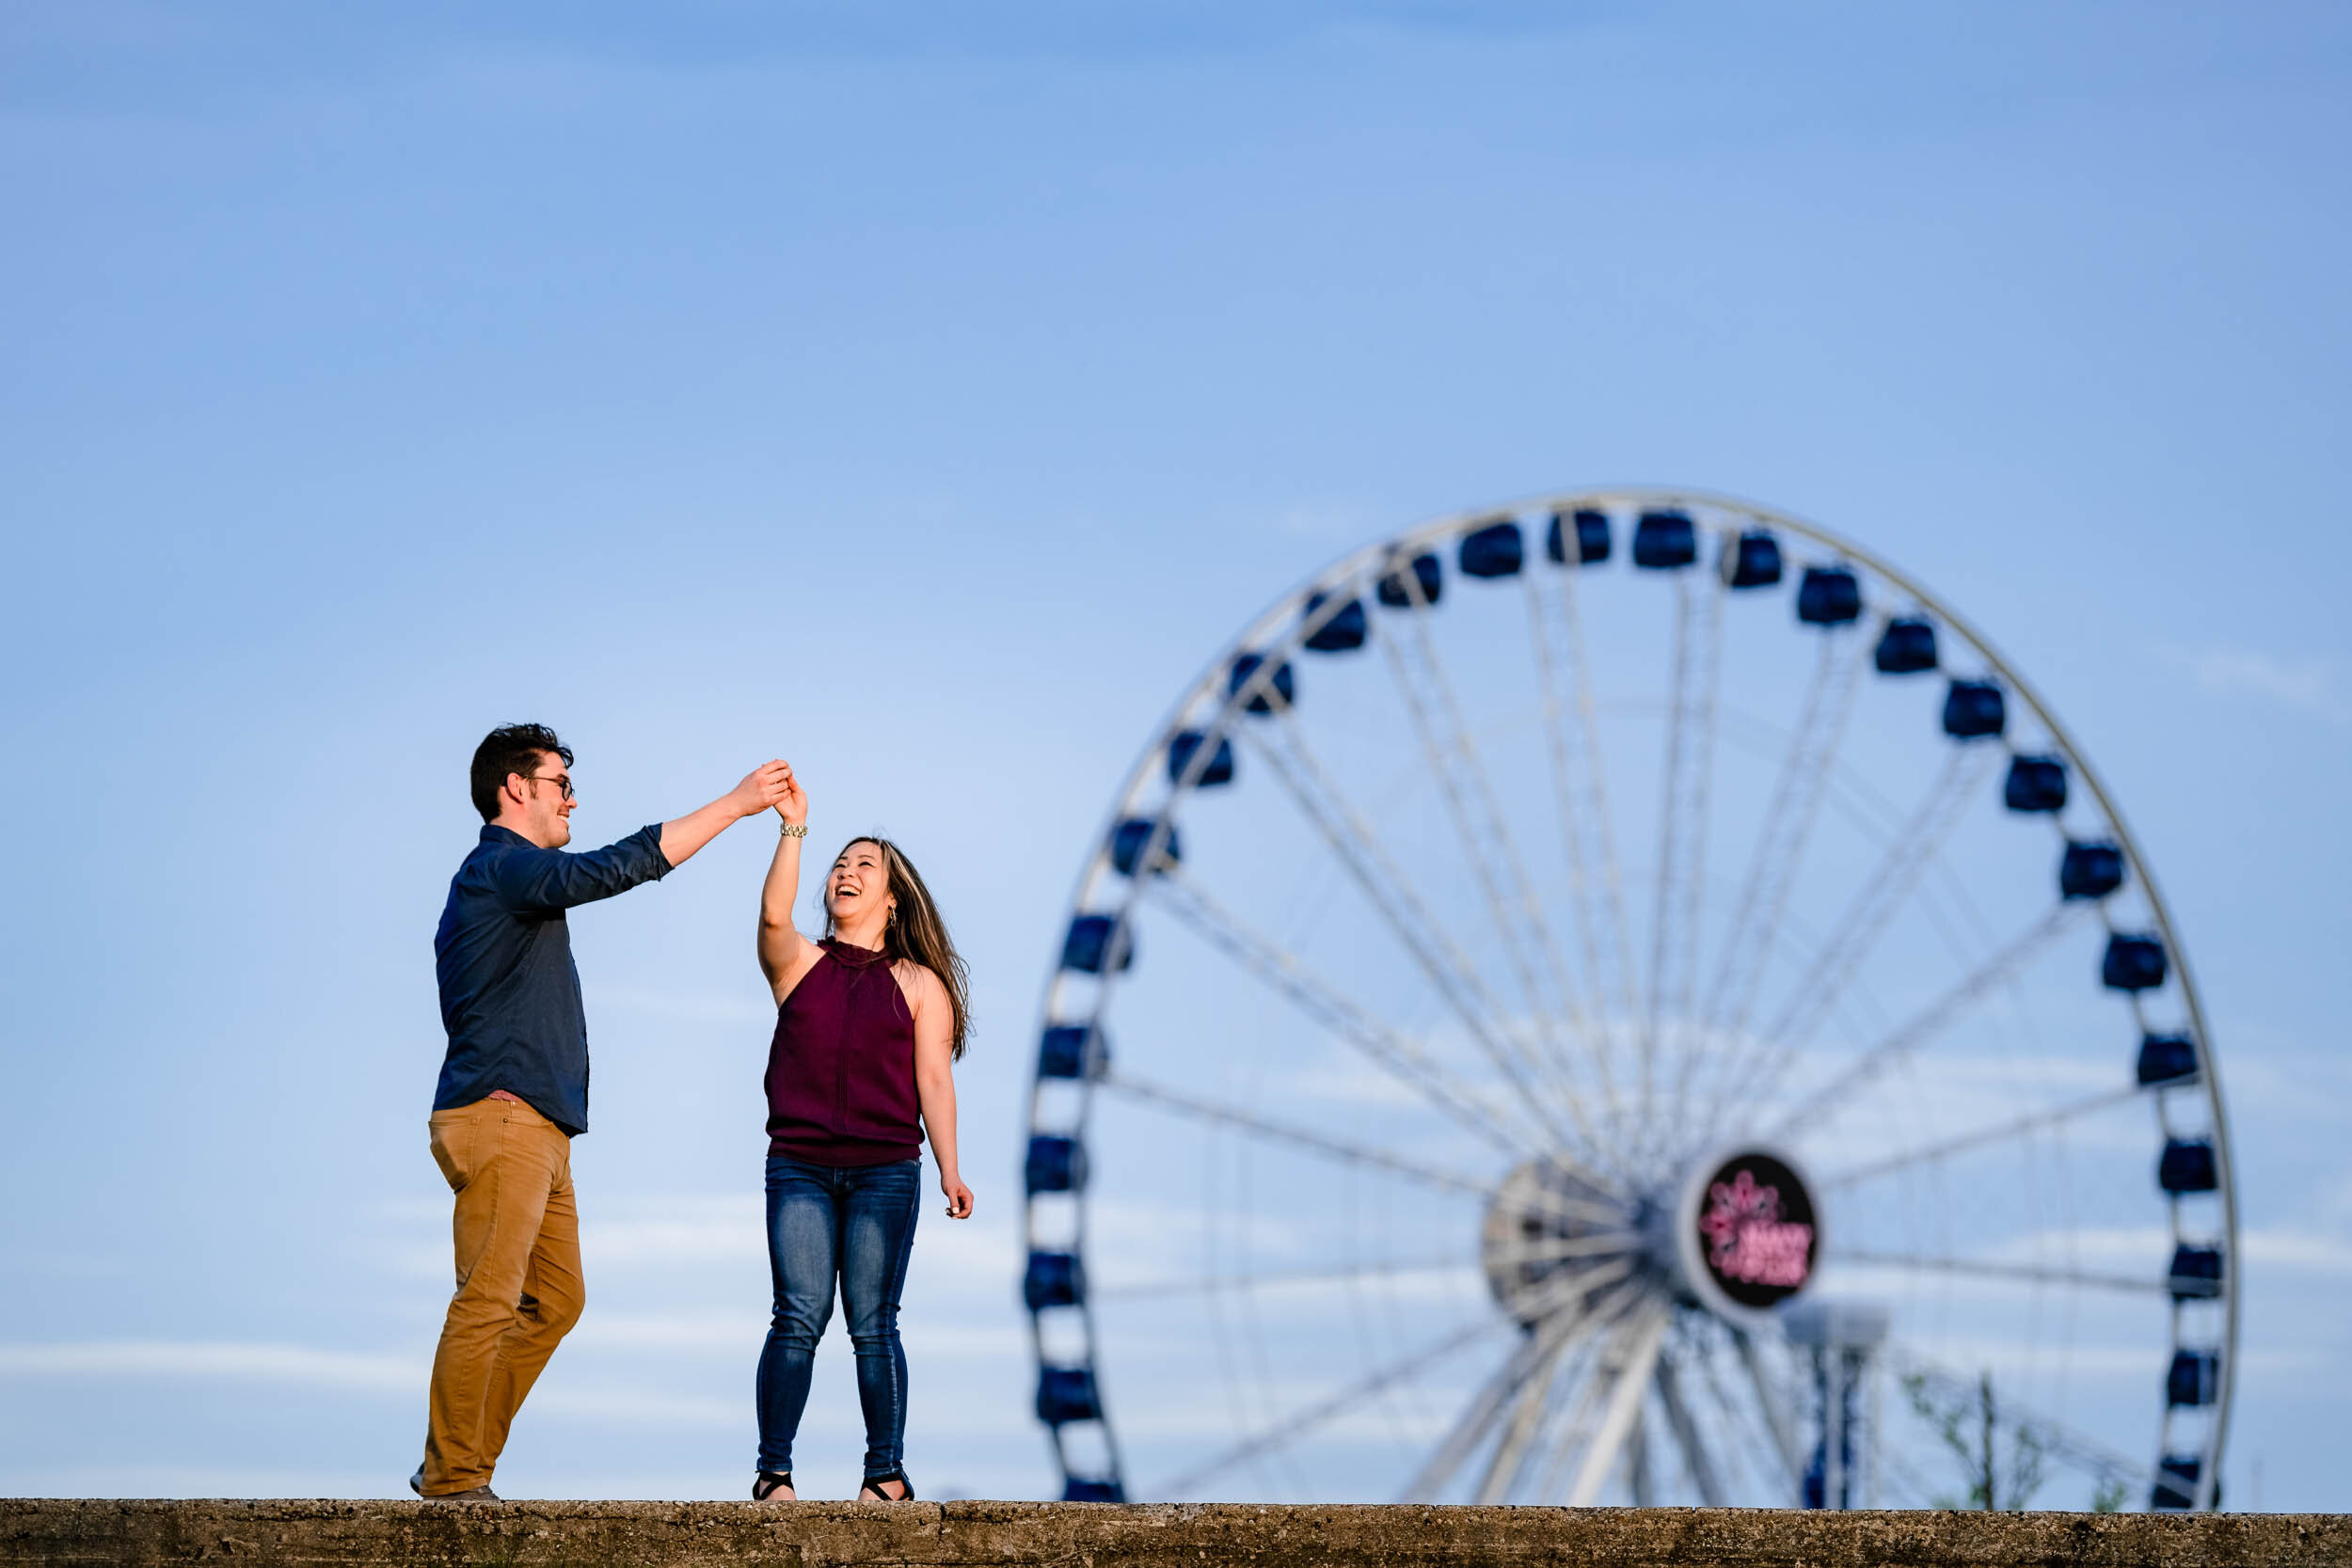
{"points": [[869, 1020]]}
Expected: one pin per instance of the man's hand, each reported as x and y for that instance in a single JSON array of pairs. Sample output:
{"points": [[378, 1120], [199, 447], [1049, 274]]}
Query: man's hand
{"points": [[761, 788], [958, 1196], [793, 808]]}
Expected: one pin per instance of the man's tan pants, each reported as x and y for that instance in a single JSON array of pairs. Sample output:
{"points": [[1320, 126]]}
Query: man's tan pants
{"points": [[519, 1284]]}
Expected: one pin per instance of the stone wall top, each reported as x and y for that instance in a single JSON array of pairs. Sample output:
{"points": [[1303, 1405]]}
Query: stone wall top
{"points": [[76, 1533]]}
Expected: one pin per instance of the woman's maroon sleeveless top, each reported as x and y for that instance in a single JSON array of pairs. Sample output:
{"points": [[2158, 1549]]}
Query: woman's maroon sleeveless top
{"points": [[841, 1068]]}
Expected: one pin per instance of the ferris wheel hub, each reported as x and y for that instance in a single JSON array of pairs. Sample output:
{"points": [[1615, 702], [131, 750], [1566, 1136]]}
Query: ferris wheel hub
{"points": [[1553, 1239]]}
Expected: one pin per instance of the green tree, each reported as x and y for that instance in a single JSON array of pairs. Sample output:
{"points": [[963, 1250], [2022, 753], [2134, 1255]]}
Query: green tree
{"points": [[2004, 1466]]}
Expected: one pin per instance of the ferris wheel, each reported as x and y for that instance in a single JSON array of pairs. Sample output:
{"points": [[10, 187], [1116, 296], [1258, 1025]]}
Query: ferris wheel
{"points": [[1580, 997]]}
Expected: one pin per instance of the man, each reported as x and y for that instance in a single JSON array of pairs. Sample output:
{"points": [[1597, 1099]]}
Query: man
{"points": [[514, 1089]]}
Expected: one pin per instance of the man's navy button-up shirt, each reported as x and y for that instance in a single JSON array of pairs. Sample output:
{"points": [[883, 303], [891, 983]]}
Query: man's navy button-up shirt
{"points": [[509, 995]]}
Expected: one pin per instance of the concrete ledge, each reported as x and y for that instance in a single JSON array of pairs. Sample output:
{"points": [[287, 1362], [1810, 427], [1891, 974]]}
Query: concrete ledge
{"points": [[1092, 1535]]}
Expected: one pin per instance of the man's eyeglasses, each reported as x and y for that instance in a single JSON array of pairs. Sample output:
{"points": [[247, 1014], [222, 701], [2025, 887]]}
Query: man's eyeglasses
{"points": [[560, 781]]}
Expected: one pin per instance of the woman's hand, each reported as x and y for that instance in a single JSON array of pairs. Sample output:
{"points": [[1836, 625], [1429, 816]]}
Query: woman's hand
{"points": [[793, 808], [958, 1196]]}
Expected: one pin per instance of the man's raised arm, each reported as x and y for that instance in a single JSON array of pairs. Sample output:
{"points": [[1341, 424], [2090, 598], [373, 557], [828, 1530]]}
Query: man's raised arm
{"points": [[761, 788]]}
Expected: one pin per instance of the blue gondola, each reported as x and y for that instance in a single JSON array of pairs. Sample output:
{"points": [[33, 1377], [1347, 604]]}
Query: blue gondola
{"points": [[1054, 1164], [2132, 963], [2090, 870], [1127, 842], [1587, 527], [1281, 690], [2195, 1273], [2035, 783], [1073, 1051], [1053, 1279], [2187, 1165], [1906, 647], [1077, 1489], [1096, 943], [1828, 596], [1343, 632], [1394, 591], [2167, 1059], [2176, 1481], [1751, 561], [2195, 1377], [1664, 541], [1496, 550], [1974, 709], [1180, 754], [1067, 1394]]}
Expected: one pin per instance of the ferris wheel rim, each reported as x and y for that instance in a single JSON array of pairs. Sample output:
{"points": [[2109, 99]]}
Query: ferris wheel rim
{"points": [[1353, 567]]}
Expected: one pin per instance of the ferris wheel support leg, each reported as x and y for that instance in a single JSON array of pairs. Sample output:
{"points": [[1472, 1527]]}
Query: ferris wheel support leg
{"points": [[1552, 1335], [1628, 1381], [1471, 1426], [1527, 1416], [1686, 1435], [1775, 1415]]}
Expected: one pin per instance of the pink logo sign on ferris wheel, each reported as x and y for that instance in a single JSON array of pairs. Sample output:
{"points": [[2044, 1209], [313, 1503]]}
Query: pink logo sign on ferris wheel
{"points": [[1750, 1234], [1747, 1239]]}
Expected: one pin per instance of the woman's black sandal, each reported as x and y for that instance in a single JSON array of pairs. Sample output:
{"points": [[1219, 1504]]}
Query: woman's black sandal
{"points": [[768, 1482], [873, 1484]]}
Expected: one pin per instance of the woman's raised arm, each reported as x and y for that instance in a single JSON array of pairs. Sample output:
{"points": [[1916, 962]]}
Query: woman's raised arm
{"points": [[784, 955]]}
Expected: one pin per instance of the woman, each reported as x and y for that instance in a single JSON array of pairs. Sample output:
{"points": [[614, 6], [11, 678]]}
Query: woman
{"points": [[867, 1021]]}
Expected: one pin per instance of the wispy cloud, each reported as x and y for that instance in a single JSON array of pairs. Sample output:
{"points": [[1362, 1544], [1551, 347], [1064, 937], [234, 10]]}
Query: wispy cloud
{"points": [[259, 1362], [348, 1371], [2304, 685]]}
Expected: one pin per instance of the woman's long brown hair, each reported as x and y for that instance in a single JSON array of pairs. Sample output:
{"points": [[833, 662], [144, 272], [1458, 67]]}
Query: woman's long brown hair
{"points": [[916, 934]]}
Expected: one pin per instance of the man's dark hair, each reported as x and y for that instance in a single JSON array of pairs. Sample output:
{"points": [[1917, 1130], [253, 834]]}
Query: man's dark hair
{"points": [[510, 749]]}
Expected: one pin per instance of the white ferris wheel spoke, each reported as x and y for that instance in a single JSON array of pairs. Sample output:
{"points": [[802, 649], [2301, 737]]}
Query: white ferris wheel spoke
{"points": [[1600, 1243], [1518, 1431], [1294, 1426], [1477, 1419], [1585, 826], [1397, 1055], [1296, 1138], [1696, 1459], [1462, 782], [2030, 1274], [1859, 928], [1960, 1142], [1797, 794], [1604, 1297], [1278, 1279], [1625, 1369], [1448, 970], [1941, 1014], [1676, 901]]}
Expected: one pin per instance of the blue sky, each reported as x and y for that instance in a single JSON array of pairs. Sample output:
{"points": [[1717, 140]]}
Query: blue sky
{"points": [[925, 392]]}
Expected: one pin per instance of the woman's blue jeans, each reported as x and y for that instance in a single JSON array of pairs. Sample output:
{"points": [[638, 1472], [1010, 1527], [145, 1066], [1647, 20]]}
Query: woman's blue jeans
{"points": [[854, 1224]]}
